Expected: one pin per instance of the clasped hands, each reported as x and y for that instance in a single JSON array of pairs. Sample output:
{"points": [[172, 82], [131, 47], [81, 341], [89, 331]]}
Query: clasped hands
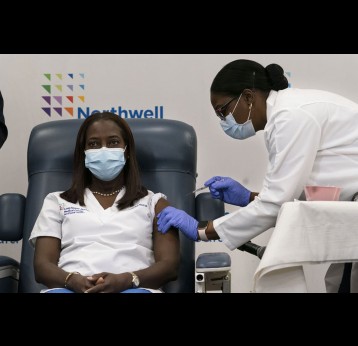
{"points": [[101, 283]]}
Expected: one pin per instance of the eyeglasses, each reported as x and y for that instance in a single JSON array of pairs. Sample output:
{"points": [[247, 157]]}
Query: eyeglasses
{"points": [[221, 110]]}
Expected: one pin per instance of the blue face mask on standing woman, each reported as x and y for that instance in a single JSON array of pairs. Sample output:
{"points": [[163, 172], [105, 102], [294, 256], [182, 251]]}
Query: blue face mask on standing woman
{"points": [[235, 130], [105, 163]]}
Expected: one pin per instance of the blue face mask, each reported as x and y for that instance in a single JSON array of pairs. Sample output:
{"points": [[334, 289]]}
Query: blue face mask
{"points": [[105, 163], [235, 130]]}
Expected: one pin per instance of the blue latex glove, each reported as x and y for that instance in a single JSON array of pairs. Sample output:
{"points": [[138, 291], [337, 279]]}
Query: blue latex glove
{"points": [[172, 217], [228, 190]]}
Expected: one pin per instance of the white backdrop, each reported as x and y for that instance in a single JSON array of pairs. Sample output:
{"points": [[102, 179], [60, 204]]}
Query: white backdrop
{"points": [[169, 86]]}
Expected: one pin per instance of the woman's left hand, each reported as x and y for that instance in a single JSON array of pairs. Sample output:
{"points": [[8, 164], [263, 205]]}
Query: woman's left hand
{"points": [[110, 283]]}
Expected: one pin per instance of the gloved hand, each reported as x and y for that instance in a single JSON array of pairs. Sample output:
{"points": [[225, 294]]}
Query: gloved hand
{"points": [[172, 217], [228, 190]]}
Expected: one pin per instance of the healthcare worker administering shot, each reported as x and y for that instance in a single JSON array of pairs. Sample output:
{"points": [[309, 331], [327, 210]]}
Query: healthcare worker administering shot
{"points": [[311, 137]]}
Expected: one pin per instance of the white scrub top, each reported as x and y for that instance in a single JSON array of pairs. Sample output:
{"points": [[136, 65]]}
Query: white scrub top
{"points": [[94, 239], [312, 139]]}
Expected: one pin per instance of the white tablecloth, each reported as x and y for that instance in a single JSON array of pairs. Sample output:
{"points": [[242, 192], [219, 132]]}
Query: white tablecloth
{"points": [[307, 232]]}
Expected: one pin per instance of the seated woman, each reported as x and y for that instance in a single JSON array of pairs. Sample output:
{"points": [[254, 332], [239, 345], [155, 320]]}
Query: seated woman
{"points": [[101, 234]]}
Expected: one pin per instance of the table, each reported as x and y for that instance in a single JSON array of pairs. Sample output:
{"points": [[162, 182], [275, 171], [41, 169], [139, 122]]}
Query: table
{"points": [[307, 232]]}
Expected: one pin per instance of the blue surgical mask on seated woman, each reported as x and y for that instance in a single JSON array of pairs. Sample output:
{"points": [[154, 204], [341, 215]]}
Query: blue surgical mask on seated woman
{"points": [[105, 163], [235, 130]]}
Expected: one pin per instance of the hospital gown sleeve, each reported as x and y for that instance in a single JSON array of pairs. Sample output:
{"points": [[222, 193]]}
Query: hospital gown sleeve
{"points": [[49, 221], [153, 200]]}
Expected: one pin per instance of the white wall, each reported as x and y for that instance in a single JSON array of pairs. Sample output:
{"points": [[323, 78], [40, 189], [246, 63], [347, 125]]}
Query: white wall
{"points": [[179, 83]]}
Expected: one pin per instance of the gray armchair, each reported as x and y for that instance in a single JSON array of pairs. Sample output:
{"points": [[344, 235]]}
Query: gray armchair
{"points": [[167, 155]]}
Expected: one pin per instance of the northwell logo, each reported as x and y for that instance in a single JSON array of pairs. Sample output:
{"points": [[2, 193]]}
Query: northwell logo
{"points": [[157, 112], [64, 91], [66, 96]]}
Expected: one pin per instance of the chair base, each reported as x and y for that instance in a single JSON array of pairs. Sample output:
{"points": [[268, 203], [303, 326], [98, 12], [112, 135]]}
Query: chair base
{"points": [[213, 273], [213, 282]]}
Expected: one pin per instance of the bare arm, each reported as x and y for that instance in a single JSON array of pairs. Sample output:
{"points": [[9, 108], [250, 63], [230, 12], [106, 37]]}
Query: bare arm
{"points": [[47, 254], [253, 195], [47, 272], [166, 254]]}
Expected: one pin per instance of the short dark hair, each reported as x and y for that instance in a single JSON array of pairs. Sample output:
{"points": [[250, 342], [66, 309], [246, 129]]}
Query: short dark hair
{"points": [[82, 176], [242, 74]]}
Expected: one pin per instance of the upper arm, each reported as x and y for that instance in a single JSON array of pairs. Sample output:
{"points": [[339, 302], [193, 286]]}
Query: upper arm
{"points": [[49, 221], [47, 250], [166, 246]]}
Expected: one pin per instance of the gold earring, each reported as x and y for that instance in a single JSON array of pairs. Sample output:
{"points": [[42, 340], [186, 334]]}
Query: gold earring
{"points": [[250, 106]]}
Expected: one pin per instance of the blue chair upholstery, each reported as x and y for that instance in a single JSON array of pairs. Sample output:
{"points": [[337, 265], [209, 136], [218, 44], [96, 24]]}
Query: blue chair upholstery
{"points": [[12, 208], [207, 208], [167, 155]]}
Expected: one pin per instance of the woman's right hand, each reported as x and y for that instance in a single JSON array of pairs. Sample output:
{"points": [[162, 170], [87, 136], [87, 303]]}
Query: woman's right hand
{"points": [[79, 283], [110, 283]]}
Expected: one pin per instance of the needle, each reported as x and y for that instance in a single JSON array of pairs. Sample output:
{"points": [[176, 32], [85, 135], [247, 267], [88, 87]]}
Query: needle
{"points": [[199, 189]]}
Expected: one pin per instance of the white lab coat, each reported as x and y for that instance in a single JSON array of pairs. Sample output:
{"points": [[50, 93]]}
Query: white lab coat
{"points": [[312, 139]]}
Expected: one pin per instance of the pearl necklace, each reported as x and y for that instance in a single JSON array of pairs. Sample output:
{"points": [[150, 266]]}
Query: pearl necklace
{"points": [[108, 194]]}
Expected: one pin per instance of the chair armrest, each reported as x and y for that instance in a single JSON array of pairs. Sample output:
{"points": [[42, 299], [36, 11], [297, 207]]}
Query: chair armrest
{"points": [[208, 208], [12, 211], [213, 261]]}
